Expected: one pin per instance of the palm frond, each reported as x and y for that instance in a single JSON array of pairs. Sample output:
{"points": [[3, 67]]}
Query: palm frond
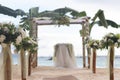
{"points": [[33, 12], [100, 15], [7, 11], [20, 12], [109, 22], [48, 14]]}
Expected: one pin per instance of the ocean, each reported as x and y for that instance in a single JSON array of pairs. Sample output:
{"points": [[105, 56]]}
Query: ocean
{"points": [[100, 63]]}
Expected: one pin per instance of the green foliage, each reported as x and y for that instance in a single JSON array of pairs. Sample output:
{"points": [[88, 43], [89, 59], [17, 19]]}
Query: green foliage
{"points": [[33, 12], [27, 44], [10, 12], [93, 44], [25, 23], [110, 23], [101, 17], [102, 21], [110, 40], [8, 33], [82, 14]]}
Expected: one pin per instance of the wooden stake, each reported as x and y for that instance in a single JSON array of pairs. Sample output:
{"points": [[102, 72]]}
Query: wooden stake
{"points": [[23, 64], [7, 62], [94, 61], [84, 59], [111, 63]]}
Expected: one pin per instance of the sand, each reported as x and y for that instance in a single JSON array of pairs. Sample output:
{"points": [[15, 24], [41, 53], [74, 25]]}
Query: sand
{"points": [[53, 73]]}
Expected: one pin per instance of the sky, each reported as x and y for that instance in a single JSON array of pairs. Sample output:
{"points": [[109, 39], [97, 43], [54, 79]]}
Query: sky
{"points": [[50, 35]]}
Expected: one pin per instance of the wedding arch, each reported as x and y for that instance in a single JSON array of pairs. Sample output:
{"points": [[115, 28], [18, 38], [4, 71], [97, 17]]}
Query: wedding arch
{"points": [[38, 21]]}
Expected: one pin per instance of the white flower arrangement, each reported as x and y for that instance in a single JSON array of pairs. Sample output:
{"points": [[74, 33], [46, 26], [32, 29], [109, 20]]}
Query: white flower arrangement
{"points": [[93, 44], [22, 31], [27, 44], [8, 33], [110, 39], [18, 40]]}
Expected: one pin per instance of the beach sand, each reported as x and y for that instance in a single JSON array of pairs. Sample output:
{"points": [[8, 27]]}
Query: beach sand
{"points": [[47, 72]]}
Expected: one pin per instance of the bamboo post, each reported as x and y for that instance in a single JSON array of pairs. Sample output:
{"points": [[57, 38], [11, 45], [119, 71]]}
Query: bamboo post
{"points": [[7, 61], [111, 62], [29, 64], [89, 54], [93, 60], [84, 59], [23, 64], [33, 34]]}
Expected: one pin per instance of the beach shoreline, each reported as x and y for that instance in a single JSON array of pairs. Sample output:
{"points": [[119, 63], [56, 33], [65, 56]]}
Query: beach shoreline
{"points": [[41, 72]]}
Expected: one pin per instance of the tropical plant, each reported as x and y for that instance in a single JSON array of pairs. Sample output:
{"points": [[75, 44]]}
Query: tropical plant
{"points": [[109, 40], [27, 44], [102, 21], [10, 12], [25, 21]]}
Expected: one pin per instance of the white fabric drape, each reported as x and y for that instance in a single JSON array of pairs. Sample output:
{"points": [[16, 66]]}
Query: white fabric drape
{"points": [[1, 67], [64, 56]]}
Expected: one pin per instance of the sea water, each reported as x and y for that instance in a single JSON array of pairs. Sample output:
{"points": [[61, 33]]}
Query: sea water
{"points": [[101, 61]]}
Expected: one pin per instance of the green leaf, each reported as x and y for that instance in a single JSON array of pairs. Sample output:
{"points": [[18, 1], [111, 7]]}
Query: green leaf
{"points": [[33, 12], [83, 13], [48, 14], [100, 15], [109, 22]]}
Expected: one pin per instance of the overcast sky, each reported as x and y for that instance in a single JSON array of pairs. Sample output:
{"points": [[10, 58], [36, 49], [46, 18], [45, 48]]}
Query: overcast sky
{"points": [[51, 35]]}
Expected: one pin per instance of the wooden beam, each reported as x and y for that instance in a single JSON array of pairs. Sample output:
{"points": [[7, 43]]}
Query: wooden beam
{"points": [[40, 21]]}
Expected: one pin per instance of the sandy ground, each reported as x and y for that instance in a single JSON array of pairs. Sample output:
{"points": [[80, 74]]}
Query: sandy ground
{"points": [[40, 73]]}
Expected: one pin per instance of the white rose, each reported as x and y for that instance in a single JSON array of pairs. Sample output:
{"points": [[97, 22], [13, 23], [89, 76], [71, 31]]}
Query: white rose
{"points": [[118, 40], [111, 35], [23, 33], [2, 38], [33, 41], [116, 44], [6, 29], [95, 44], [87, 45], [105, 39], [29, 41], [18, 39]]}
